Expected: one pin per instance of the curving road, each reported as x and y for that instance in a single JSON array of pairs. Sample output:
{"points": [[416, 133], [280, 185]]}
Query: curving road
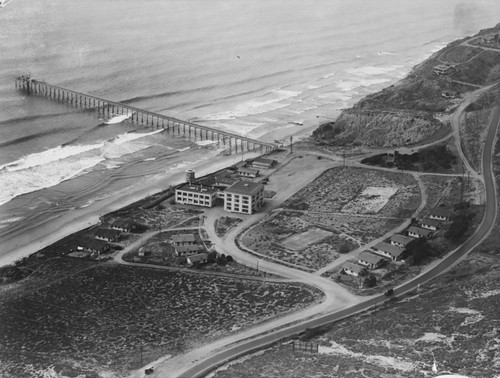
{"points": [[246, 346], [199, 362]]}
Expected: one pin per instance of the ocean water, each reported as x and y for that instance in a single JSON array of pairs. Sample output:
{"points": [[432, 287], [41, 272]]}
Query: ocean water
{"points": [[261, 69]]}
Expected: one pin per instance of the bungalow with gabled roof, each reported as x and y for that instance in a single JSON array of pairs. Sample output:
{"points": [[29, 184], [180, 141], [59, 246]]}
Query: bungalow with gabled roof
{"points": [[248, 172], [352, 269], [107, 235], [261, 163], [93, 245], [441, 213], [200, 258], [186, 250], [400, 241], [123, 226], [370, 260], [417, 232], [390, 251], [430, 224], [183, 239]]}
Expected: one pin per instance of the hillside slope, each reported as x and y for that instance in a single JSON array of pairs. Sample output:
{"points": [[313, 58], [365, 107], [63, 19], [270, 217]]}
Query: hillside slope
{"points": [[411, 111]]}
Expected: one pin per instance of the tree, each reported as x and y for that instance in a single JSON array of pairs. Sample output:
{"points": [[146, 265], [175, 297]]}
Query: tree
{"points": [[344, 247], [418, 249], [458, 228], [369, 281]]}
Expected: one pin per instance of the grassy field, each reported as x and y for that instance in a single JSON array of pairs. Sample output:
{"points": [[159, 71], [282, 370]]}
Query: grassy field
{"points": [[97, 321]]}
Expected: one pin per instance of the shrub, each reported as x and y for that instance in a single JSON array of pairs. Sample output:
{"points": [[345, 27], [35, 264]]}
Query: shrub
{"points": [[369, 281]]}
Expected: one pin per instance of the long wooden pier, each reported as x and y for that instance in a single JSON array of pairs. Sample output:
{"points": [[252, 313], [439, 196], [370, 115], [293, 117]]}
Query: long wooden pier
{"points": [[235, 143]]}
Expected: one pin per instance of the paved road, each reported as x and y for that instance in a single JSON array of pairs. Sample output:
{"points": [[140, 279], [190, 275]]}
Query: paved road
{"points": [[246, 346]]}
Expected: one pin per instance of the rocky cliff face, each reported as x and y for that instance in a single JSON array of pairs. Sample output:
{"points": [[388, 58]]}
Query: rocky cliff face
{"points": [[410, 111], [384, 129]]}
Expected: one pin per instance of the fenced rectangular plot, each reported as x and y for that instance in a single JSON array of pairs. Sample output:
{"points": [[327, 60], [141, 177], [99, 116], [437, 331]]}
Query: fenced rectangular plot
{"points": [[302, 240]]}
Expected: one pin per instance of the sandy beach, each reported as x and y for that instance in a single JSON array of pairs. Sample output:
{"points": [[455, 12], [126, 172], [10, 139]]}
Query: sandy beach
{"points": [[30, 241]]}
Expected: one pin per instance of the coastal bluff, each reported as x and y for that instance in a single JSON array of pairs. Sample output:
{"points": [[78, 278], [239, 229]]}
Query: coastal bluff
{"points": [[416, 109]]}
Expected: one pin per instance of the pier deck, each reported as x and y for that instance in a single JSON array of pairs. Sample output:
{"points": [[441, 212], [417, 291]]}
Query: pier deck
{"points": [[236, 143]]}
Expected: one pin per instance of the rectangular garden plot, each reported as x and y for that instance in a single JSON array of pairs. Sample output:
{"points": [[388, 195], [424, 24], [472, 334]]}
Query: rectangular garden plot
{"points": [[302, 240]]}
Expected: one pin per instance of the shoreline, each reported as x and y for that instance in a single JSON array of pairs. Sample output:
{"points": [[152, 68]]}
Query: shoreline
{"points": [[27, 243]]}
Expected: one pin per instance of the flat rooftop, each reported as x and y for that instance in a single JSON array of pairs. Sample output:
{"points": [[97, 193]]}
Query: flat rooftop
{"points": [[245, 187], [195, 188]]}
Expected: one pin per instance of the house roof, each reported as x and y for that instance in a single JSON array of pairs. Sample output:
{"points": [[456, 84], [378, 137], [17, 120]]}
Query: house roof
{"points": [[122, 224], [188, 248], [419, 231], [93, 244], [198, 257], [262, 161], [108, 234], [441, 212], [369, 258], [398, 238], [252, 171], [245, 187], [183, 238], [352, 267], [431, 222], [225, 178], [197, 188], [389, 248]]}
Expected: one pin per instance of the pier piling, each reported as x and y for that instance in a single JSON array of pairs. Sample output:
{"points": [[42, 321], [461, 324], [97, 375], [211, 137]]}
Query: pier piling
{"points": [[110, 108]]}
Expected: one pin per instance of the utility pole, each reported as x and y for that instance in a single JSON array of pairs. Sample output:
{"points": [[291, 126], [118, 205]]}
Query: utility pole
{"points": [[343, 158], [291, 144]]}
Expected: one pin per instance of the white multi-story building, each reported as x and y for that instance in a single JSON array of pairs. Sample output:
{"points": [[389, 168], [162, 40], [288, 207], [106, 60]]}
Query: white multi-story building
{"points": [[193, 194], [244, 197]]}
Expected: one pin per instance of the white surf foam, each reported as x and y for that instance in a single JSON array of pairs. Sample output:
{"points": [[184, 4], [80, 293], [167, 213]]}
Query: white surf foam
{"points": [[51, 167], [206, 142], [270, 101], [11, 220], [48, 156], [372, 70], [15, 183]]}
